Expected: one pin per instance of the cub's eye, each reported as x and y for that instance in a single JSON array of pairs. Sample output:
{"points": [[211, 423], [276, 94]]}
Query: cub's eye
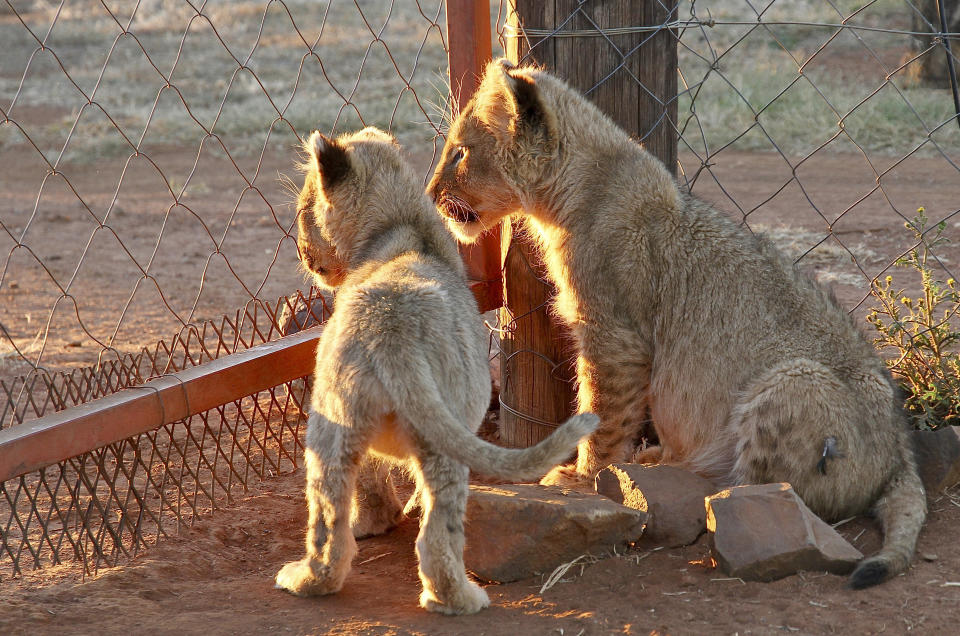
{"points": [[458, 156]]}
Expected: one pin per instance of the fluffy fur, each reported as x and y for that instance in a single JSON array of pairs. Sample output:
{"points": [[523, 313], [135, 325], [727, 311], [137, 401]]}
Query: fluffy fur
{"points": [[750, 372], [401, 373]]}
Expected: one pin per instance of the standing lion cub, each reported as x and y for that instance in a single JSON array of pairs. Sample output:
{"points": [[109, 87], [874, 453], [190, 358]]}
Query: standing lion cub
{"points": [[401, 372], [750, 372]]}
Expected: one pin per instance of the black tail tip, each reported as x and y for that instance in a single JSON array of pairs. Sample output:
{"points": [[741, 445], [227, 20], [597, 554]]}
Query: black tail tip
{"points": [[869, 572]]}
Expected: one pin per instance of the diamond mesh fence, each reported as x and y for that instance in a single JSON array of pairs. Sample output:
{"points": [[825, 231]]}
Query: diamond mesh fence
{"points": [[824, 124], [144, 154], [145, 149]]}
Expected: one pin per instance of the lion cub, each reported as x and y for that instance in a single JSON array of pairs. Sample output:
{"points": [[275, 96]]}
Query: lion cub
{"points": [[750, 372], [401, 371]]}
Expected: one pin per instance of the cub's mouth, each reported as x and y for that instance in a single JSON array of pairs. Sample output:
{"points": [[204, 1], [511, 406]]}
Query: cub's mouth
{"points": [[455, 208]]}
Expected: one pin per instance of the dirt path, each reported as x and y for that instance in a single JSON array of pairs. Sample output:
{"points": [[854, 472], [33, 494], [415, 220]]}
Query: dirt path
{"points": [[217, 579], [79, 279]]}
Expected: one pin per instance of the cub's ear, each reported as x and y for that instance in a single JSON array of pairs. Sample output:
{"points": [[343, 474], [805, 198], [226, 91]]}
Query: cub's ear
{"points": [[329, 158], [375, 134], [510, 103]]}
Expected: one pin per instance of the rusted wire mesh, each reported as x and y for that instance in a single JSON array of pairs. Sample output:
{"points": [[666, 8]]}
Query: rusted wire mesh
{"points": [[140, 146], [824, 124], [144, 154], [111, 501]]}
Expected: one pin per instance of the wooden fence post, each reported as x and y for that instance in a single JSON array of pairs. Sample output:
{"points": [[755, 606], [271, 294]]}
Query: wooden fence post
{"points": [[637, 88], [469, 50]]}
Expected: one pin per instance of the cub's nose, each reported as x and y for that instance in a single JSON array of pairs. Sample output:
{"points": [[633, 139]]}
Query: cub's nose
{"points": [[433, 189]]}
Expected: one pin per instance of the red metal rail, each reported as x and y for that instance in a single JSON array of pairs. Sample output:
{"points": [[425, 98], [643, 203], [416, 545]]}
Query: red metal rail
{"points": [[170, 398], [71, 432]]}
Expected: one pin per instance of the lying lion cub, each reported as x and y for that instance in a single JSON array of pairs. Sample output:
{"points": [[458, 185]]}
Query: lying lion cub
{"points": [[750, 372], [401, 369]]}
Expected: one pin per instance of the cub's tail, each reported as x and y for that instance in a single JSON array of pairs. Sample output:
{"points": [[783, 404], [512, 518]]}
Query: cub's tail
{"points": [[901, 508], [439, 430]]}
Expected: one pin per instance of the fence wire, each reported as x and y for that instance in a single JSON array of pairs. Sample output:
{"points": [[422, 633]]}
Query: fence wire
{"points": [[144, 148], [824, 124], [147, 153]]}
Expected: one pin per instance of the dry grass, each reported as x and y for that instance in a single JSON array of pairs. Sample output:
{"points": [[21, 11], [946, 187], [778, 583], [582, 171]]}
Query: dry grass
{"points": [[254, 74], [259, 74], [798, 87]]}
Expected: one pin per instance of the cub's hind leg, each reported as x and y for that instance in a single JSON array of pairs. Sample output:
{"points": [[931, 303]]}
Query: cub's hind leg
{"points": [[841, 446], [443, 485], [783, 422], [618, 394], [330, 546], [376, 508]]}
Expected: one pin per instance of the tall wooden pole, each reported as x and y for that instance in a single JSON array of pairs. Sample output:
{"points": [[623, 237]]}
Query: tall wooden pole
{"points": [[637, 88], [469, 50]]}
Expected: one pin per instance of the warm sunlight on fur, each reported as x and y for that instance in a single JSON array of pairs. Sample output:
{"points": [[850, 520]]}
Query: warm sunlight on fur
{"points": [[401, 374], [746, 367]]}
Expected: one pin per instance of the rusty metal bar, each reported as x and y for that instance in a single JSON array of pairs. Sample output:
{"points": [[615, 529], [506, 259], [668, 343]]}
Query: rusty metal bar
{"points": [[469, 49], [169, 398]]}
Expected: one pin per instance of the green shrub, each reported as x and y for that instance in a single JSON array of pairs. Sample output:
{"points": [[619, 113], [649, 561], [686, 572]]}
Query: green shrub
{"points": [[919, 332]]}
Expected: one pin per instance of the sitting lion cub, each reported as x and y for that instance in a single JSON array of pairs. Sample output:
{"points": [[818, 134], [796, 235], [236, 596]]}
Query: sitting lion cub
{"points": [[750, 372], [401, 370]]}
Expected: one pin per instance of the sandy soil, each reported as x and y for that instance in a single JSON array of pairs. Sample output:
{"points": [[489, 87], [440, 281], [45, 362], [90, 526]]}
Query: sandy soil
{"points": [[217, 577], [232, 236]]}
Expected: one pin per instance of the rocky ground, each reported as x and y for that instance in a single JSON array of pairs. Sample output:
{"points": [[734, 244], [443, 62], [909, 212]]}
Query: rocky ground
{"points": [[217, 577]]}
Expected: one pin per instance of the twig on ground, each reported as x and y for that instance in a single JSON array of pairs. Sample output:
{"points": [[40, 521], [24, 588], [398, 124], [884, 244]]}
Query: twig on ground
{"points": [[557, 574]]}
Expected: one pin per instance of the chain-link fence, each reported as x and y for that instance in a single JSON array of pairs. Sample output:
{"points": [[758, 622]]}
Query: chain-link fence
{"points": [[144, 148], [147, 170], [825, 124]]}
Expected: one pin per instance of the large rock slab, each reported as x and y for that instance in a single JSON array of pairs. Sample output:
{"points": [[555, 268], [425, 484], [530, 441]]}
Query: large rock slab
{"points": [[938, 457], [672, 498], [518, 531], [765, 532]]}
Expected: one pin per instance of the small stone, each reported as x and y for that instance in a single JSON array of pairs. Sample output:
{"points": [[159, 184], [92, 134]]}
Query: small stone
{"points": [[672, 497], [518, 531], [929, 557], [765, 532], [938, 458], [301, 316]]}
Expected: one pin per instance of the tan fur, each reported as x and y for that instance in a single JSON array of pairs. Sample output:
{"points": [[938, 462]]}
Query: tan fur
{"points": [[401, 374], [745, 366]]}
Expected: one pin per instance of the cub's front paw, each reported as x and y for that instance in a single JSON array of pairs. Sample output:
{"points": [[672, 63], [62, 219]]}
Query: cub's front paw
{"points": [[568, 477], [306, 578], [470, 599]]}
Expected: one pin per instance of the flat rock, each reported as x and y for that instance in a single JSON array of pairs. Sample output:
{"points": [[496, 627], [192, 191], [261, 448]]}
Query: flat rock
{"points": [[673, 499], [765, 532], [516, 531], [938, 457]]}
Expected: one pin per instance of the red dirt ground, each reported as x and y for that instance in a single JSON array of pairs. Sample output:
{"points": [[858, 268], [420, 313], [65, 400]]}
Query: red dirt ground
{"points": [[217, 577]]}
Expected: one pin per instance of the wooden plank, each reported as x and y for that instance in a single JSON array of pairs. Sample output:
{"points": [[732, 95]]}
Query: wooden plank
{"points": [[167, 399], [537, 352], [469, 45], [646, 111]]}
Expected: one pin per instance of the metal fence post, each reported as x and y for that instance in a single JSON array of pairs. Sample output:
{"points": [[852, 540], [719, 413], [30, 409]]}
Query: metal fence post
{"points": [[632, 76], [469, 50]]}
